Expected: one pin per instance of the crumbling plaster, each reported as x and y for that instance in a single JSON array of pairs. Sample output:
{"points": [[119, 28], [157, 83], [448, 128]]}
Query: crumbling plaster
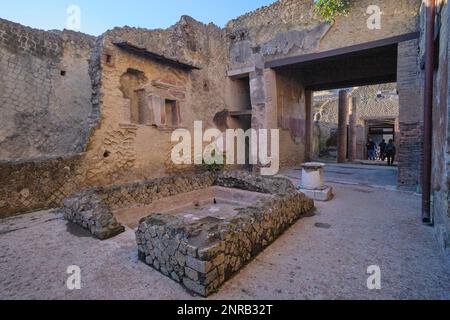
{"points": [[369, 107], [289, 28], [45, 96], [141, 151], [111, 149], [441, 157]]}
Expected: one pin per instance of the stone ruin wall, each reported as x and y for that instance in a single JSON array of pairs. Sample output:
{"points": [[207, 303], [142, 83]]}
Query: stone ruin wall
{"points": [[45, 93], [369, 107], [93, 209], [291, 115], [289, 28], [75, 150], [47, 114], [115, 150], [139, 151], [441, 134]]}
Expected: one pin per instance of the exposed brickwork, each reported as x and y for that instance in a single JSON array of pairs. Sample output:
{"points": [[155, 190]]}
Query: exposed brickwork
{"points": [[410, 156], [411, 115]]}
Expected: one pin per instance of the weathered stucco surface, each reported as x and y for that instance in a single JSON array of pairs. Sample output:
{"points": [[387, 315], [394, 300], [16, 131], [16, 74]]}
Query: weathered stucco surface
{"points": [[79, 112], [289, 28], [369, 107], [142, 150], [118, 149], [45, 96], [88, 125], [441, 158]]}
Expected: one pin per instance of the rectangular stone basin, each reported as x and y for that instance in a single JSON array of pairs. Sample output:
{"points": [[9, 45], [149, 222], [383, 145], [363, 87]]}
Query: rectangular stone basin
{"points": [[198, 229], [202, 238], [213, 202]]}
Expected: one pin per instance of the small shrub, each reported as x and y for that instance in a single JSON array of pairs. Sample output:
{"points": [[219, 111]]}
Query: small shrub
{"points": [[329, 10], [215, 167]]}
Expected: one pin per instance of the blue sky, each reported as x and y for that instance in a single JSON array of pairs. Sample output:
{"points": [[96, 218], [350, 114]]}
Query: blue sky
{"points": [[99, 15]]}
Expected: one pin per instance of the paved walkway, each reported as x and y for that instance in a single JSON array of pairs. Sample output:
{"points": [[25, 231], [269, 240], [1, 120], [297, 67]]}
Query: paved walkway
{"points": [[354, 174], [323, 257]]}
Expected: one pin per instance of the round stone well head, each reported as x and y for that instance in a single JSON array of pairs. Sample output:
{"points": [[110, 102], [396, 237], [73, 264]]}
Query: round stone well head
{"points": [[312, 176]]}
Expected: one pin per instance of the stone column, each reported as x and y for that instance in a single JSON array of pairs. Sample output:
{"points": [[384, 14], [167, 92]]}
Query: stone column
{"points": [[352, 131], [342, 126], [309, 125], [259, 103]]}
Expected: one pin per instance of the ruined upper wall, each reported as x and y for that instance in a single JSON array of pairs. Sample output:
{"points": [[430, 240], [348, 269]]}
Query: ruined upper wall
{"points": [[289, 27], [283, 14], [45, 96], [132, 134], [369, 105], [188, 40]]}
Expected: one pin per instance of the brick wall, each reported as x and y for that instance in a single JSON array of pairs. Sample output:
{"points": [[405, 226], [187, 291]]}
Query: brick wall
{"points": [[411, 116]]}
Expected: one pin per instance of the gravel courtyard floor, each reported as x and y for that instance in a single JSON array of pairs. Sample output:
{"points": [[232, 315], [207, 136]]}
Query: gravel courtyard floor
{"points": [[323, 257]]}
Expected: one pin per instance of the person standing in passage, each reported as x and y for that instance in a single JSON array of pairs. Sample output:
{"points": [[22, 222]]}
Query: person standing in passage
{"points": [[371, 149], [382, 146], [390, 152]]}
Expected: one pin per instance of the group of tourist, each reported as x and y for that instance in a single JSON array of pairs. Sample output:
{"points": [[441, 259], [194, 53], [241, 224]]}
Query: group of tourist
{"points": [[384, 151]]}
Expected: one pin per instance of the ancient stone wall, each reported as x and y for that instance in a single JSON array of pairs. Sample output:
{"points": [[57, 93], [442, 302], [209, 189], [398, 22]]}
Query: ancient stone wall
{"points": [[369, 107], [441, 134], [124, 148], [369, 104], [115, 149], [411, 116], [45, 99], [38, 185], [56, 103], [45, 96], [289, 28]]}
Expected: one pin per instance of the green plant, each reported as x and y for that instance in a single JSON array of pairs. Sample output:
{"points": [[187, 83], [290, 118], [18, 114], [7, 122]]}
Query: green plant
{"points": [[215, 166], [329, 10]]}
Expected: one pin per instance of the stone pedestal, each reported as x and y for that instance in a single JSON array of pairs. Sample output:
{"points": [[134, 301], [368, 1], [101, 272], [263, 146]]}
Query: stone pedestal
{"points": [[312, 176], [312, 183]]}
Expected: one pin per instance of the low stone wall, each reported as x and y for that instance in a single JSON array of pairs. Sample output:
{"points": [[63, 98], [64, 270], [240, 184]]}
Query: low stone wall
{"points": [[38, 185], [93, 209], [203, 255], [90, 212]]}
